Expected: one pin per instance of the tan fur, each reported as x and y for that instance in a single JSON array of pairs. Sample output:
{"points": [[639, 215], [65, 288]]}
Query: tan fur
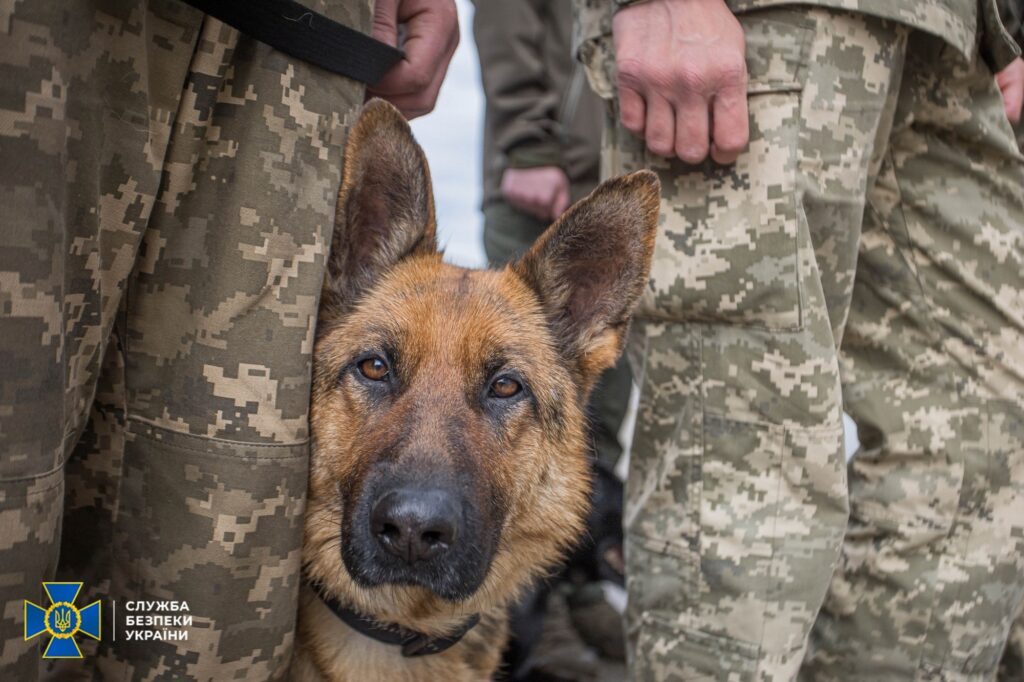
{"points": [[386, 279]]}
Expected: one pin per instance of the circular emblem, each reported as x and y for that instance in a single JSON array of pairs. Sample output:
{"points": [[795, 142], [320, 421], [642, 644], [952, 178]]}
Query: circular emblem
{"points": [[62, 620]]}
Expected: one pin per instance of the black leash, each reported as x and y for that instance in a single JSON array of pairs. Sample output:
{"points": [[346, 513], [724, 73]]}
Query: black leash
{"points": [[304, 34], [413, 643]]}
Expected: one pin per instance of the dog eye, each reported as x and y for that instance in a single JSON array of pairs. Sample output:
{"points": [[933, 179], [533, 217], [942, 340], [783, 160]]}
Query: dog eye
{"points": [[505, 387], [374, 369]]}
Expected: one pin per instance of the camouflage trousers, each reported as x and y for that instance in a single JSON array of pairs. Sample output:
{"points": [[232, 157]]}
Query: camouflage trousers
{"points": [[866, 252], [168, 189], [1011, 667]]}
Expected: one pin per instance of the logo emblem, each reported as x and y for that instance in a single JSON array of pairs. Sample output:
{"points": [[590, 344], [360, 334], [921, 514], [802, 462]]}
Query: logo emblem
{"points": [[62, 620]]}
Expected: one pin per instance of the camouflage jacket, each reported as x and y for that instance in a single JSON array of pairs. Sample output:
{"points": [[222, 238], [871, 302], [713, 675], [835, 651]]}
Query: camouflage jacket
{"points": [[967, 25]]}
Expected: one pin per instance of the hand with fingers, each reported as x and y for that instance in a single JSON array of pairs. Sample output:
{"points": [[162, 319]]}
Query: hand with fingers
{"points": [[682, 78], [1011, 84], [431, 31], [543, 191]]}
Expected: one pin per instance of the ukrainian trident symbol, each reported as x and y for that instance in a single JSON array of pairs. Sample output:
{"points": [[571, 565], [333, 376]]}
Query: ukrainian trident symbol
{"points": [[62, 620]]}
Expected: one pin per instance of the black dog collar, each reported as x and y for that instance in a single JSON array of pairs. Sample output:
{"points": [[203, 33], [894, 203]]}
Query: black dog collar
{"points": [[413, 643]]}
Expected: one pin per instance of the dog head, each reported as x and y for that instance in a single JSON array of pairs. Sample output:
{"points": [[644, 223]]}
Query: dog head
{"points": [[450, 464]]}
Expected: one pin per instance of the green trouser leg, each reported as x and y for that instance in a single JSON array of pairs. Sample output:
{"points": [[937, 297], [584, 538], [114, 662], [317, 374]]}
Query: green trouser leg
{"points": [[174, 187], [932, 572], [508, 233], [736, 499]]}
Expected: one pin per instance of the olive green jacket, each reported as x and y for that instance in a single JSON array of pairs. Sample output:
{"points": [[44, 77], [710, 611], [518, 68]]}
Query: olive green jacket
{"points": [[539, 111], [1012, 14]]}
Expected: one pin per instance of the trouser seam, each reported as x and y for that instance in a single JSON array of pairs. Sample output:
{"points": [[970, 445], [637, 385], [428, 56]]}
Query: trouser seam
{"points": [[907, 256], [924, 303], [201, 438], [777, 589], [134, 567], [966, 546], [698, 577]]}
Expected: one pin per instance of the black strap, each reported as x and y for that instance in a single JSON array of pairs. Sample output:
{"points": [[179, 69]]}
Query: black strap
{"points": [[413, 643], [304, 34]]}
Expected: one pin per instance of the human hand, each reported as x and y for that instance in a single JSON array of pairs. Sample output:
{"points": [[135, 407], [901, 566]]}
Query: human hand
{"points": [[682, 78], [1011, 83], [431, 36], [543, 192]]}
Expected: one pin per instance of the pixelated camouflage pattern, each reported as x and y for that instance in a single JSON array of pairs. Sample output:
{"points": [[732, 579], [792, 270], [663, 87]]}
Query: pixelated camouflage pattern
{"points": [[962, 23], [932, 573], [1011, 666], [169, 190], [737, 494]]}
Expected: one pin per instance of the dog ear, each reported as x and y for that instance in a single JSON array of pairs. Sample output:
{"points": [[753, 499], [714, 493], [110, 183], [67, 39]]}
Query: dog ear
{"points": [[385, 205], [591, 266]]}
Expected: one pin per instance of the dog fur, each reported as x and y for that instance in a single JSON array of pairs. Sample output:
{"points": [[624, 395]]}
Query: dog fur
{"points": [[550, 323]]}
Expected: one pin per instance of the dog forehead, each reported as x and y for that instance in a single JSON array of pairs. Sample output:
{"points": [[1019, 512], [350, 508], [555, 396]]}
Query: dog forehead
{"points": [[434, 304]]}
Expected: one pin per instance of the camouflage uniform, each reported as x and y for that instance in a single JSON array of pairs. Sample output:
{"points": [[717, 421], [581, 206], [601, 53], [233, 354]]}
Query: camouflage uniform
{"points": [[879, 204], [1011, 667], [540, 112], [168, 189]]}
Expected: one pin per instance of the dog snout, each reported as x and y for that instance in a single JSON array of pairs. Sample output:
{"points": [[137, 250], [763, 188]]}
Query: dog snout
{"points": [[416, 525]]}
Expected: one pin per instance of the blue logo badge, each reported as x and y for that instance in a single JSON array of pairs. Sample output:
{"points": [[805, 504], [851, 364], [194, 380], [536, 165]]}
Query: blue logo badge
{"points": [[62, 620]]}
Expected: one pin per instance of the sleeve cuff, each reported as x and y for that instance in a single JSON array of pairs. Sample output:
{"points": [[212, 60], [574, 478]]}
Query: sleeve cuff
{"points": [[534, 155], [619, 4]]}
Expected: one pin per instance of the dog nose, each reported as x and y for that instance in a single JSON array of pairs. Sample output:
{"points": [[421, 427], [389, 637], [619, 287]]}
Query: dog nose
{"points": [[415, 524]]}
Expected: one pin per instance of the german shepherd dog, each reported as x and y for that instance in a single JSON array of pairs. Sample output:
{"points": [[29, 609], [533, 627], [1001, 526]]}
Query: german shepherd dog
{"points": [[449, 462]]}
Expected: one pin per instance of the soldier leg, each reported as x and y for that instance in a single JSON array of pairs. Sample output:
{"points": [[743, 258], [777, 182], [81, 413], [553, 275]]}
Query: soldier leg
{"points": [[932, 570], [736, 501], [1011, 667], [508, 233], [88, 98], [192, 476]]}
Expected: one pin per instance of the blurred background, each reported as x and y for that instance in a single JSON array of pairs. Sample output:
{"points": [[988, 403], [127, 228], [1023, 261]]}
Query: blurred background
{"points": [[451, 136]]}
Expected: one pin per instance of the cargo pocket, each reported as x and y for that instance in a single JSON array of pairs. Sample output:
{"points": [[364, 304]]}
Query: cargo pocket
{"points": [[218, 525], [666, 652], [980, 572], [30, 526], [760, 529], [726, 250]]}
